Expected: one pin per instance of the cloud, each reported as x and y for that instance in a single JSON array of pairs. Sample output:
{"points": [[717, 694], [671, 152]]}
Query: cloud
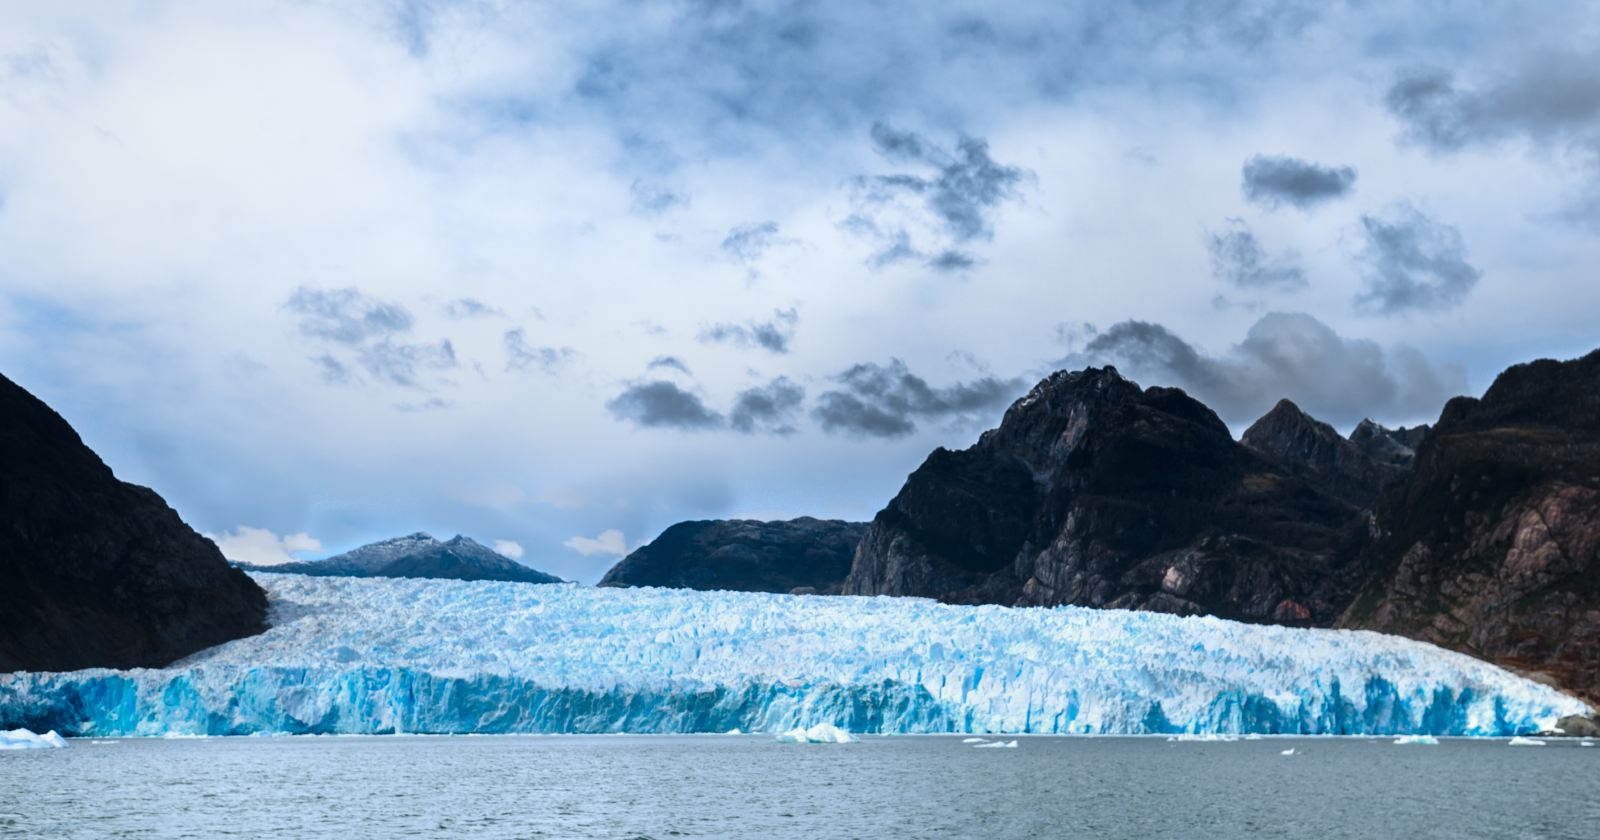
{"points": [[462, 308], [1238, 259], [773, 335], [522, 356], [370, 330], [1550, 98], [663, 405], [652, 200], [769, 408], [1293, 355], [1413, 264], [952, 205], [886, 400], [261, 547], [1272, 181], [508, 548], [609, 543], [746, 243], [668, 363]]}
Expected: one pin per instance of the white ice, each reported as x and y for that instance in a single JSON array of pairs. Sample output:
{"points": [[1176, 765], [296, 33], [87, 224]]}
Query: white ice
{"points": [[1426, 740], [1289, 751], [357, 656], [1525, 742], [25, 739], [1002, 745], [822, 733]]}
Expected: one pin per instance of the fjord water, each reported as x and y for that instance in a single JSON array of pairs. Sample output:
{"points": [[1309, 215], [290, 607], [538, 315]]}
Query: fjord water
{"points": [[627, 786]]}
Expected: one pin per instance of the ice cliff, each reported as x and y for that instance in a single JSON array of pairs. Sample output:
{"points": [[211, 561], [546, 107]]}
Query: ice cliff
{"points": [[349, 655]]}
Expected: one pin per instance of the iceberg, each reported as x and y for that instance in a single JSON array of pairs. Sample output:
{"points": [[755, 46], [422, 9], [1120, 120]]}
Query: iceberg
{"points": [[25, 739], [377, 656], [996, 745], [822, 733], [1525, 742], [1289, 751], [1424, 740]]}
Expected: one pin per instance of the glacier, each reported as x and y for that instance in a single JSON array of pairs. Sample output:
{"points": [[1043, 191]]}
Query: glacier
{"points": [[376, 656]]}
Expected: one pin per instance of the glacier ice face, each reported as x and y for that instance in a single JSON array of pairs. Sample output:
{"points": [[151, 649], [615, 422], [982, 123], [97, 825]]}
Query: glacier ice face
{"points": [[24, 739], [353, 655]]}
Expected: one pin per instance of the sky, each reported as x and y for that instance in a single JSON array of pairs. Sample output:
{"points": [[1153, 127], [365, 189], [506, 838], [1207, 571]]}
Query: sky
{"points": [[557, 275]]}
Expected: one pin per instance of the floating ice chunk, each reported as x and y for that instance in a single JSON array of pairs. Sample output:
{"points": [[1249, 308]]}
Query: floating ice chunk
{"points": [[822, 733], [734, 731], [1004, 745], [1204, 736], [1585, 743], [972, 740], [1289, 751], [1427, 740], [1520, 741], [25, 739]]}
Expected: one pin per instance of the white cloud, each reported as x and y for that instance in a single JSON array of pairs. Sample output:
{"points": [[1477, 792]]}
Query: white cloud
{"points": [[261, 547], [509, 548], [610, 542]]}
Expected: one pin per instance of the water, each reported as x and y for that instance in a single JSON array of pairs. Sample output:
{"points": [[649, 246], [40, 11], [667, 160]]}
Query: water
{"points": [[751, 786]]}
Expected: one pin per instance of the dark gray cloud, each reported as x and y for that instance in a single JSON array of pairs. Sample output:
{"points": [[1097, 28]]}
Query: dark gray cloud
{"points": [[1238, 259], [746, 243], [1273, 181], [521, 355], [875, 400], [663, 405], [957, 198], [653, 200], [1413, 264], [462, 308], [768, 408], [773, 335], [667, 363], [371, 331], [1293, 355], [1551, 100]]}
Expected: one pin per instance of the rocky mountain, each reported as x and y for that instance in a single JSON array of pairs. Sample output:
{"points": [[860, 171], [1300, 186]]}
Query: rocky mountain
{"points": [[1492, 546], [1311, 450], [800, 555], [97, 572], [418, 555], [1094, 491]]}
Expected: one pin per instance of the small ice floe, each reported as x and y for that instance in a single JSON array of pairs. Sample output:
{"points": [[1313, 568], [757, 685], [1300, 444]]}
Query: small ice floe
{"points": [[1426, 740], [1585, 743], [972, 740], [734, 731], [1000, 745], [105, 743], [26, 739], [822, 733], [1203, 736], [1520, 741], [1289, 751]]}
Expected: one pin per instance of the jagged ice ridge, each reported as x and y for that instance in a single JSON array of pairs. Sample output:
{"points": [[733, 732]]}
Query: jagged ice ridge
{"points": [[348, 655]]}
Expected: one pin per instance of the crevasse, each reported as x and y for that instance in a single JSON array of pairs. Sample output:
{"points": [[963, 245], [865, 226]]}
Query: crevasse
{"points": [[367, 656]]}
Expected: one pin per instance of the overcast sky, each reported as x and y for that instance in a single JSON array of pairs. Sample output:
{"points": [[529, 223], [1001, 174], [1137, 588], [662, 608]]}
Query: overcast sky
{"points": [[556, 276]]}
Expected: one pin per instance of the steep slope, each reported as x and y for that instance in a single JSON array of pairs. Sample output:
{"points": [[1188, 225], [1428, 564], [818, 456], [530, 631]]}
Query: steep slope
{"points": [[1493, 545], [1313, 451], [1096, 492], [96, 572], [418, 555], [805, 554]]}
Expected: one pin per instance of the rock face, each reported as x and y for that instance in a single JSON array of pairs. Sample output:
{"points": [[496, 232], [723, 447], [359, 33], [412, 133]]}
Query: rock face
{"points": [[1096, 492], [1492, 547], [1313, 451], [96, 572], [419, 555], [801, 555]]}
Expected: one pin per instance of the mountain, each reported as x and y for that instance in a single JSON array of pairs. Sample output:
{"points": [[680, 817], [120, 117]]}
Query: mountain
{"points": [[1492, 546], [97, 572], [1311, 450], [805, 554], [418, 555], [1094, 491]]}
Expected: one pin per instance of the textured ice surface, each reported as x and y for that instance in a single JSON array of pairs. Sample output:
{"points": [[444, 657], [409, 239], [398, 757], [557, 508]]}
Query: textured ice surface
{"points": [[1422, 740], [822, 733], [353, 655], [23, 739], [1525, 742]]}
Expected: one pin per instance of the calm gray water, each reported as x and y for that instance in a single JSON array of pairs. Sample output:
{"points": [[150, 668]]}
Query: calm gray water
{"points": [[752, 786]]}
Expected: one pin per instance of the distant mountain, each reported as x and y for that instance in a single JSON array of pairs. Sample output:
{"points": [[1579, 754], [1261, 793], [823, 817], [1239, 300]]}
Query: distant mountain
{"points": [[1492, 545], [418, 555], [96, 572], [800, 555], [1094, 491], [1312, 451]]}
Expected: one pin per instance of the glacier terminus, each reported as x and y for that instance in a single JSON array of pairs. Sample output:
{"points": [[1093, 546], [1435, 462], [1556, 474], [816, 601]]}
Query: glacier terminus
{"points": [[378, 656]]}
